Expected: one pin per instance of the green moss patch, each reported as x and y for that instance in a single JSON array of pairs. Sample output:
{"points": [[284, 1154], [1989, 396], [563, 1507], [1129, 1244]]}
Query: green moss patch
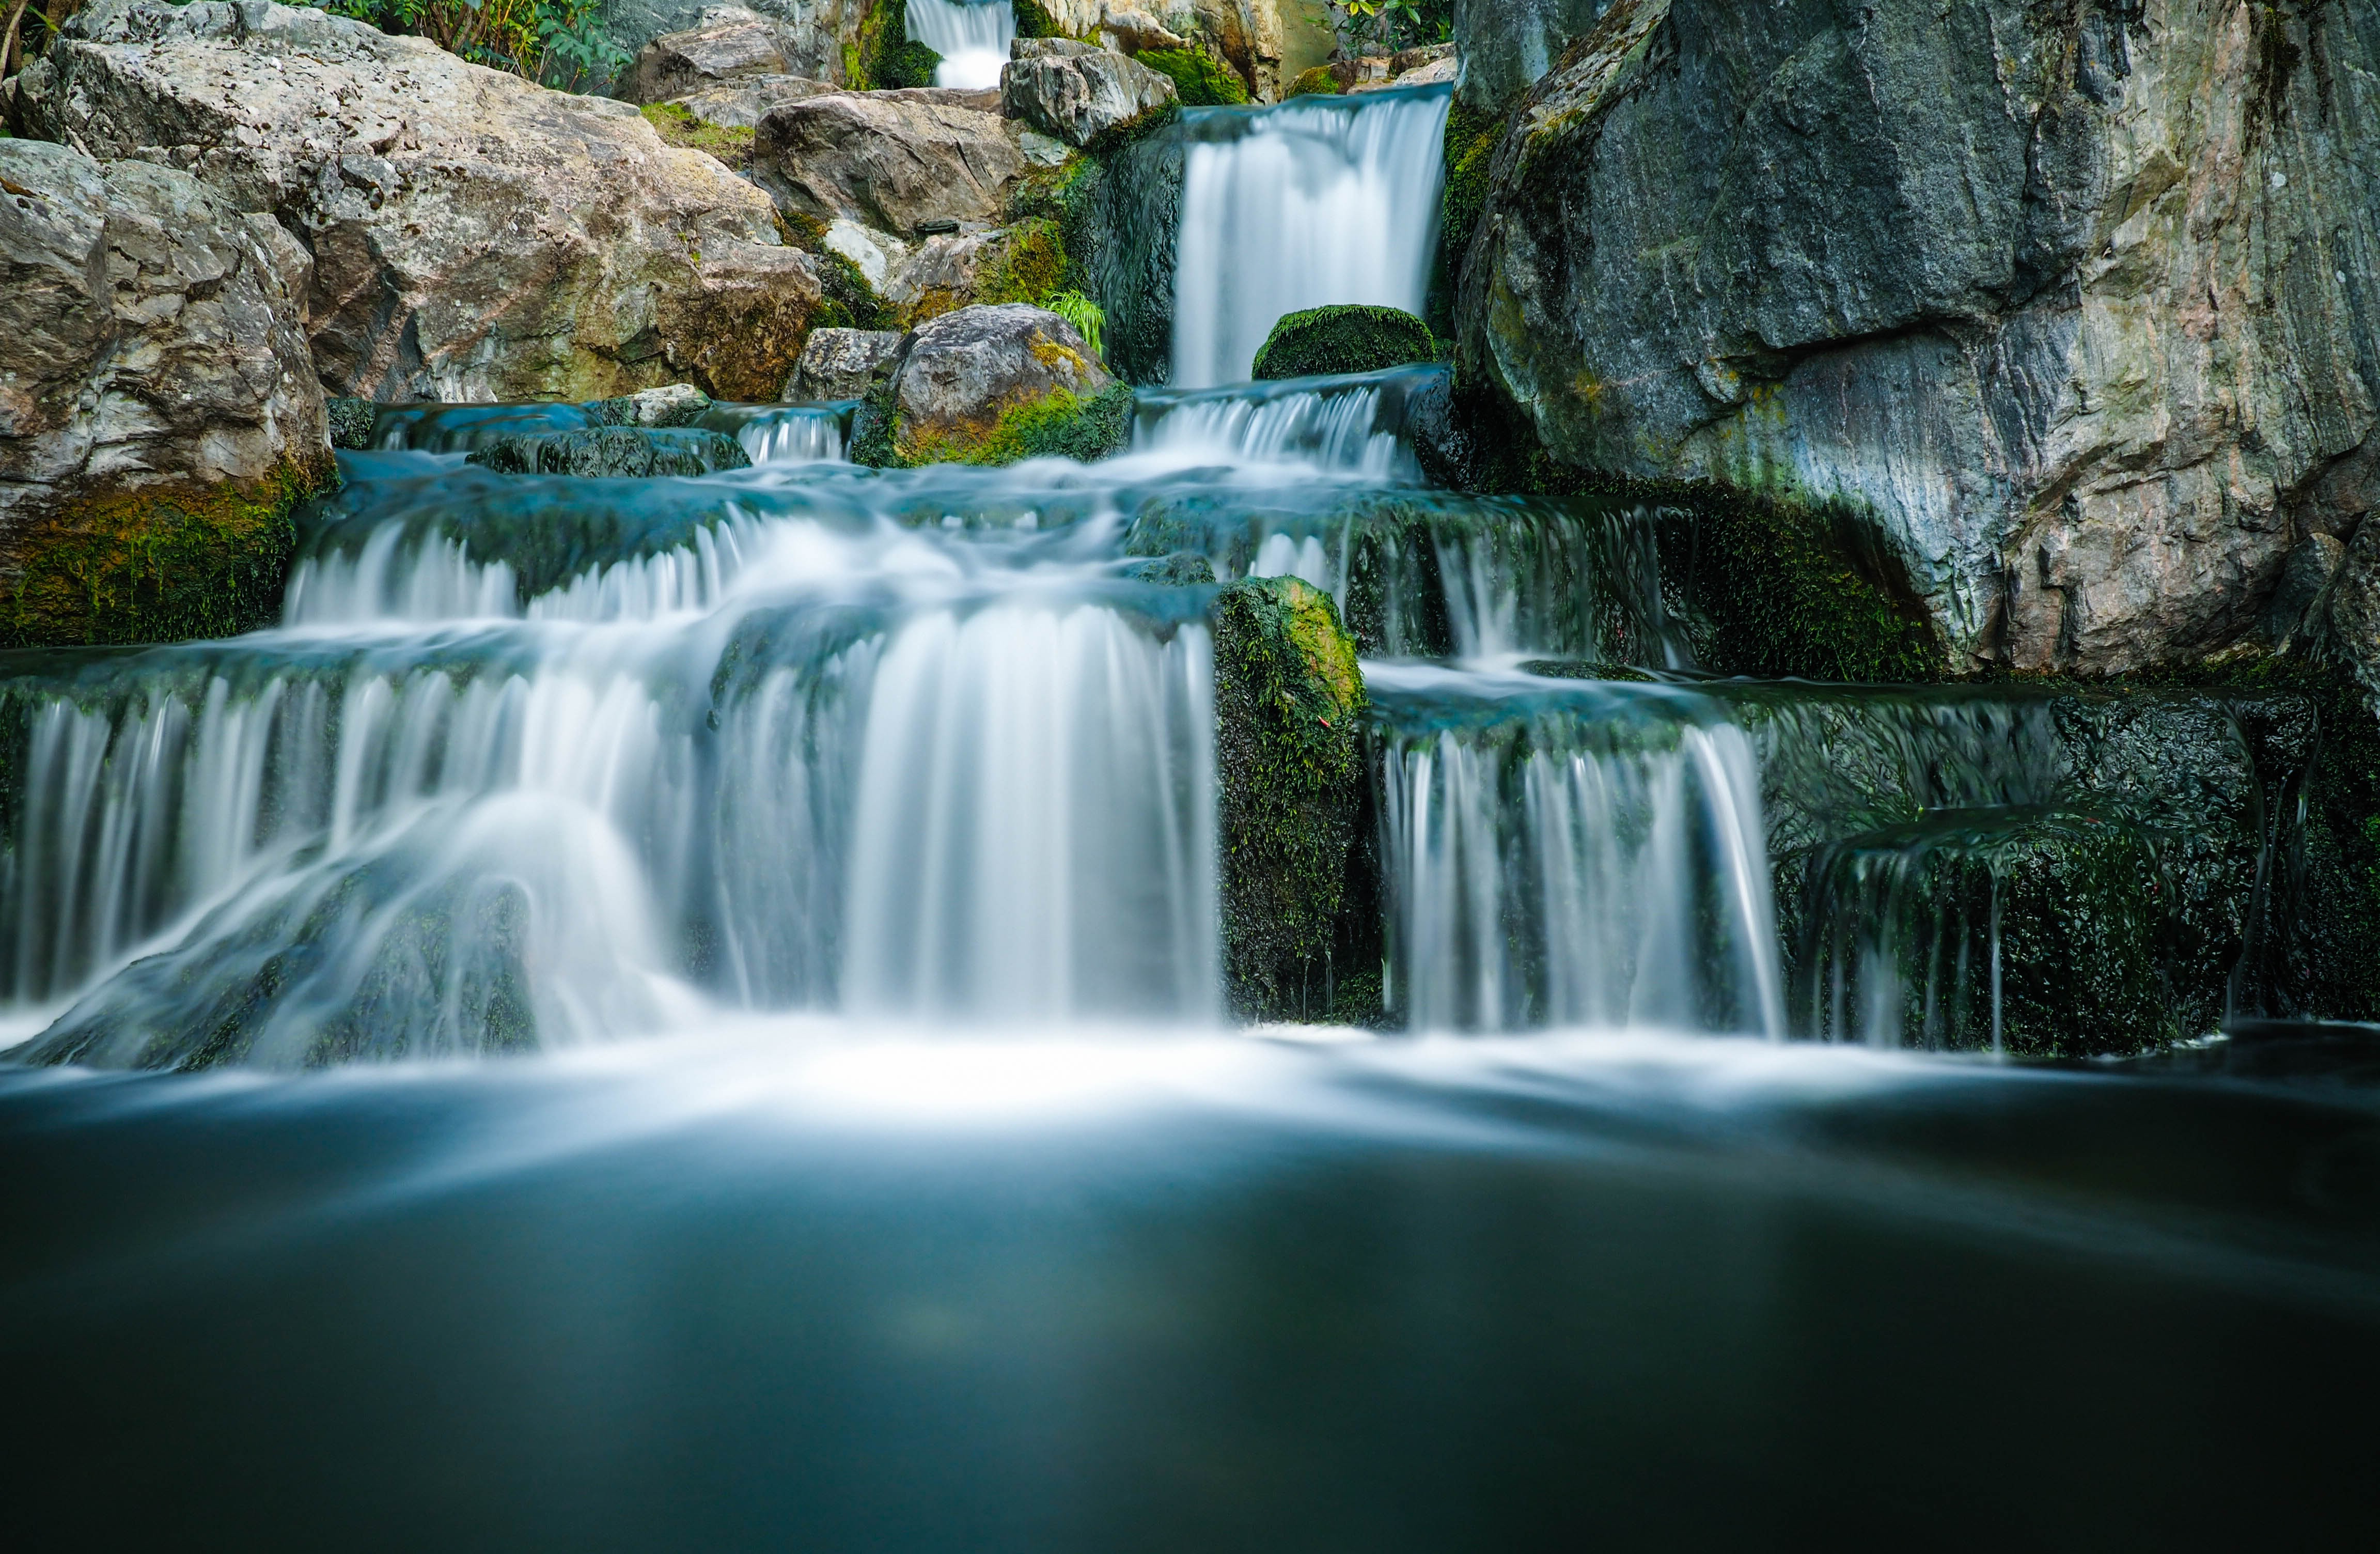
{"points": [[1034, 22], [884, 56], [1202, 81], [730, 145], [160, 563], [1321, 81], [1059, 425], [1345, 338], [1289, 698], [850, 301]]}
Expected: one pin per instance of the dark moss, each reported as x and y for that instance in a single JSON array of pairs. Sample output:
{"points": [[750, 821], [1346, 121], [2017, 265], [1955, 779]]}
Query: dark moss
{"points": [[1033, 22], [1289, 698], [1347, 337], [160, 563], [1115, 211], [851, 302], [1059, 425], [621, 452], [1202, 81], [351, 422], [1182, 569], [1472, 136], [884, 54]]}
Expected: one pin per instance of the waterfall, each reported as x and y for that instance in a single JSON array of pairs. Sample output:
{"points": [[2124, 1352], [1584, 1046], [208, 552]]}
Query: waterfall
{"points": [[1319, 200], [973, 39], [1587, 854], [793, 435], [1353, 425]]}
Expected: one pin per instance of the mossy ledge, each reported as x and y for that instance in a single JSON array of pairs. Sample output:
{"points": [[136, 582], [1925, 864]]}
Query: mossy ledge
{"points": [[883, 55], [1345, 337], [160, 563], [1289, 700]]}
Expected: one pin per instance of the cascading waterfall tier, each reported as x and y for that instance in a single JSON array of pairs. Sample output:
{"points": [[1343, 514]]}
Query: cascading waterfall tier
{"points": [[1320, 201], [973, 39], [1571, 854]]}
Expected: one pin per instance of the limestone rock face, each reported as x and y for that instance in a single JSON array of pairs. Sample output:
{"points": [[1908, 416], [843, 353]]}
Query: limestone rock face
{"points": [[842, 363], [731, 44], [158, 411], [890, 160], [1258, 38], [2079, 308], [474, 236], [1509, 45], [1084, 97], [2354, 609], [743, 103], [961, 377]]}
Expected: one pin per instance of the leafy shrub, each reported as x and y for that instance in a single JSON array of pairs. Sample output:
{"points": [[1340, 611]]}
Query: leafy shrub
{"points": [[555, 43], [1090, 321]]}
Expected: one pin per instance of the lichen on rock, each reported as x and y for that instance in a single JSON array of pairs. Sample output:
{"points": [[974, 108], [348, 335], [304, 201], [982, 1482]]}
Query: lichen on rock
{"points": [[1289, 698]]}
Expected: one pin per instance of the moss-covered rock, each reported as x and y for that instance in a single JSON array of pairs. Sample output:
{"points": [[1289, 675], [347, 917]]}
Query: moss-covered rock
{"points": [[160, 563], [850, 302], [1321, 81], [351, 422], [884, 54], [618, 451], [1202, 81], [1288, 750], [729, 144], [993, 385], [1343, 338]]}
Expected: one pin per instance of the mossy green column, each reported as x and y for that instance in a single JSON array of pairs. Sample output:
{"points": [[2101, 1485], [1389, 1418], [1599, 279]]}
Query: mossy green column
{"points": [[1288, 699]]}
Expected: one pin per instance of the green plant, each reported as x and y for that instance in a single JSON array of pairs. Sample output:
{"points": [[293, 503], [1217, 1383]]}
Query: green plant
{"points": [[1394, 24], [555, 43], [1090, 321]]}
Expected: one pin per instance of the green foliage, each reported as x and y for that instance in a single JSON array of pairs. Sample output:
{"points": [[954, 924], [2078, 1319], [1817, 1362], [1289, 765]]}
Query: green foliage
{"points": [[159, 565], [1343, 338], [1389, 25], [729, 144], [1289, 700], [1033, 22], [1202, 81], [1090, 321], [886, 56], [556, 42]]}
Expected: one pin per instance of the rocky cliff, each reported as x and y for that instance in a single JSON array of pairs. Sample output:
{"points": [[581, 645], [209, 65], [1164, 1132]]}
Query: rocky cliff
{"points": [[2076, 305]]}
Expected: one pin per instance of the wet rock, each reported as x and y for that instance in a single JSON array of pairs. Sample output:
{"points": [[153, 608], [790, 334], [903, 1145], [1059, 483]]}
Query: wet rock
{"points": [[842, 363], [2087, 362], [474, 236], [159, 416], [1508, 45], [992, 385], [351, 423], [2298, 598], [672, 404], [619, 452], [1343, 338], [1289, 756], [1182, 569], [2354, 612], [1085, 98], [731, 44], [890, 160]]}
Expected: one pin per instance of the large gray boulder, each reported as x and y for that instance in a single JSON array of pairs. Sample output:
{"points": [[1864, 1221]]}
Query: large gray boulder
{"points": [[810, 35], [474, 236], [158, 412], [890, 160], [1084, 96], [2077, 307], [1509, 45], [731, 44], [743, 103], [842, 363], [990, 384]]}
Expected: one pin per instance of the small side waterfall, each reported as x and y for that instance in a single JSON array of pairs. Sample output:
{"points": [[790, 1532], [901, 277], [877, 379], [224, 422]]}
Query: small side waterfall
{"points": [[1583, 854], [973, 39], [793, 435], [1322, 200], [1353, 425]]}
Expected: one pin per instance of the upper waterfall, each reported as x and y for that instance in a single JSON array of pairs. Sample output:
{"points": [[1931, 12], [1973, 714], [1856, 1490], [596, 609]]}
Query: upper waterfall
{"points": [[1320, 201], [972, 38]]}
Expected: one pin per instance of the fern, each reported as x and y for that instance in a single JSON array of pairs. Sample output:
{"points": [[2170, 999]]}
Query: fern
{"points": [[1090, 321]]}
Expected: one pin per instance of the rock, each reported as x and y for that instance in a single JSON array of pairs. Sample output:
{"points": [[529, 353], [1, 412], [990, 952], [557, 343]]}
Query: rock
{"points": [[992, 385], [2298, 600], [888, 159], [1509, 45], [2354, 609], [732, 43], [672, 404], [351, 423], [842, 363], [1021, 263], [810, 36], [1343, 338], [1442, 71], [159, 416], [1289, 698], [742, 104], [474, 236], [619, 452], [1054, 48], [1089, 98], [2083, 360], [1200, 79], [1183, 569]]}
